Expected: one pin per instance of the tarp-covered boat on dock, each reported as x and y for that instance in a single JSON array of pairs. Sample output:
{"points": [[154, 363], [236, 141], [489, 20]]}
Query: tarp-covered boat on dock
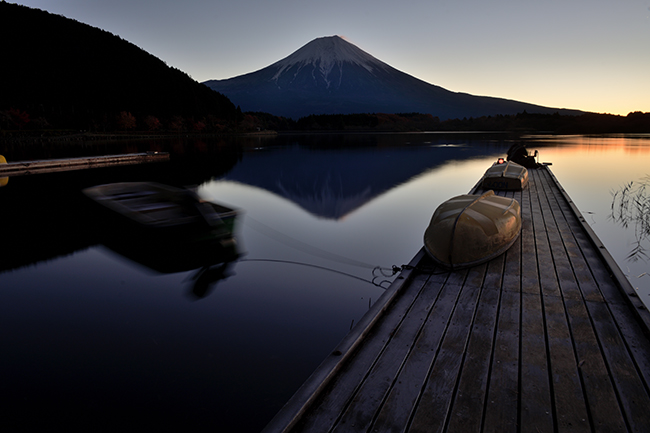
{"points": [[505, 175], [471, 229]]}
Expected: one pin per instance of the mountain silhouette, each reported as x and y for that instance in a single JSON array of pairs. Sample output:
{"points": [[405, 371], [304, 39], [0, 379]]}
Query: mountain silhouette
{"points": [[332, 76], [73, 75]]}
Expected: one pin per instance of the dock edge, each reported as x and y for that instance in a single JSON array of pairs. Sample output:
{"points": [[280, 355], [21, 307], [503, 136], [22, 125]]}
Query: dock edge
{"points": [[307, 394]]}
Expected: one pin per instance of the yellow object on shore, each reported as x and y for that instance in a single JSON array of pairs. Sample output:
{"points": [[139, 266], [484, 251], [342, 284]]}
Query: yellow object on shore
{"points": [[3, 180], [471, 229]]}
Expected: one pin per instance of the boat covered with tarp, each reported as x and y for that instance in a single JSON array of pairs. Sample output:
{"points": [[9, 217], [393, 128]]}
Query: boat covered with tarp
{"points": [[471, 229], [505, 175]]}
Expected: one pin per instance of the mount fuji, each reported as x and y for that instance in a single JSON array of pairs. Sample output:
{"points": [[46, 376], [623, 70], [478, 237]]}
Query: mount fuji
{"points": [[332, 76]]}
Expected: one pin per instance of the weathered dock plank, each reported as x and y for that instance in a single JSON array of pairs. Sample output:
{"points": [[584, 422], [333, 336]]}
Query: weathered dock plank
{"points": [[472, 386], [435, 403], [22, 168], [396, 409], [502, 406], [546, 338]]}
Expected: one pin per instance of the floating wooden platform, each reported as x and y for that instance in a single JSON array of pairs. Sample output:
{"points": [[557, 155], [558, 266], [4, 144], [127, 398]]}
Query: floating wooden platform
{"points": [[52, 165], [549, 337]]}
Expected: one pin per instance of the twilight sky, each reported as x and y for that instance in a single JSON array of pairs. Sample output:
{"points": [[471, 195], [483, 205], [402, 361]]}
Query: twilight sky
{"points": [[592, 55]]}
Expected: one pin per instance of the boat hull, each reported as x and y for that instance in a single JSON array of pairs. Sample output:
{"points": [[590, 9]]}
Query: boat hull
{"points": [[471, 229], [148, 209], [507, 176]]}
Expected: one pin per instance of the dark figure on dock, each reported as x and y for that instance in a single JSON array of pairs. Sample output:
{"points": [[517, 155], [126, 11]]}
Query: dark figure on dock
{"points": [[519, 155]]}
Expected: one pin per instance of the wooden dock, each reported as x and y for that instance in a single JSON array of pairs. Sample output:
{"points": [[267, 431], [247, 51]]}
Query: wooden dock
{"points": [[549, 337], [68, 164]]}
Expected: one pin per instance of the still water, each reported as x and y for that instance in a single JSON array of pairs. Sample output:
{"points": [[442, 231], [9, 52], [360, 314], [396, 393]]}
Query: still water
{"points": [[91, 337]]}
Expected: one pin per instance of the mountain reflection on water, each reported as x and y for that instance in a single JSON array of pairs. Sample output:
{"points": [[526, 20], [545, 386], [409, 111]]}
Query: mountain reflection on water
{"points": [[331, 183], [99, 331]]}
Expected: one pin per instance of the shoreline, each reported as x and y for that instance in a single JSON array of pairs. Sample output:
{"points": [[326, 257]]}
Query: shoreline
{"points": [[67, 136]]}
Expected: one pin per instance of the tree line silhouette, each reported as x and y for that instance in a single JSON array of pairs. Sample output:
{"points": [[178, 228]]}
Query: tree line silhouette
{"points": [[59, 73], [587, 123]]}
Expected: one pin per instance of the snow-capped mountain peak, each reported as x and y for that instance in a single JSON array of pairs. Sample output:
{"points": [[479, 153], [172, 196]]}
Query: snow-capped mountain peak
{"points": [[330, 75], [326, 55]]}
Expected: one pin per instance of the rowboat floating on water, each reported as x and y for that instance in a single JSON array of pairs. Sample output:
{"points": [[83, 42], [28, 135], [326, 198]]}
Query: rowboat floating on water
{"points": [[505, 175], [471, 229], [163, 211], [168, 230]]}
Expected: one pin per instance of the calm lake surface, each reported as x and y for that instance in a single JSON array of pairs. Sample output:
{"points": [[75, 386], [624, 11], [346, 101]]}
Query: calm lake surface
{"points": [[92, 338]]}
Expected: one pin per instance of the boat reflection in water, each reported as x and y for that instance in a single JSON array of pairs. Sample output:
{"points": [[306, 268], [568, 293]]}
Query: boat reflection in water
{"points": [[212, 260], [168, 230]]}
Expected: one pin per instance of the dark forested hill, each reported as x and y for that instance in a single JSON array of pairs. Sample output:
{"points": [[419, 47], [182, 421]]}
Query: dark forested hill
{"points": [[62, 73]]}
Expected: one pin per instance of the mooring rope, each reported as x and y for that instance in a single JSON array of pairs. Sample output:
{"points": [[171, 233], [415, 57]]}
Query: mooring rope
{"points": [[324, 268], [385, 272], [307, 248]]}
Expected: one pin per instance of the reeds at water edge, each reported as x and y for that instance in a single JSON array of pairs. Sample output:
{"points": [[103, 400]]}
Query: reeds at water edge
{"points": [[631, 207]]}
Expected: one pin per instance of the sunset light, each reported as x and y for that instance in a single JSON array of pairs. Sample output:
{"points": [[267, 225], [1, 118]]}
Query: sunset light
{"points": [[567, 55]]}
